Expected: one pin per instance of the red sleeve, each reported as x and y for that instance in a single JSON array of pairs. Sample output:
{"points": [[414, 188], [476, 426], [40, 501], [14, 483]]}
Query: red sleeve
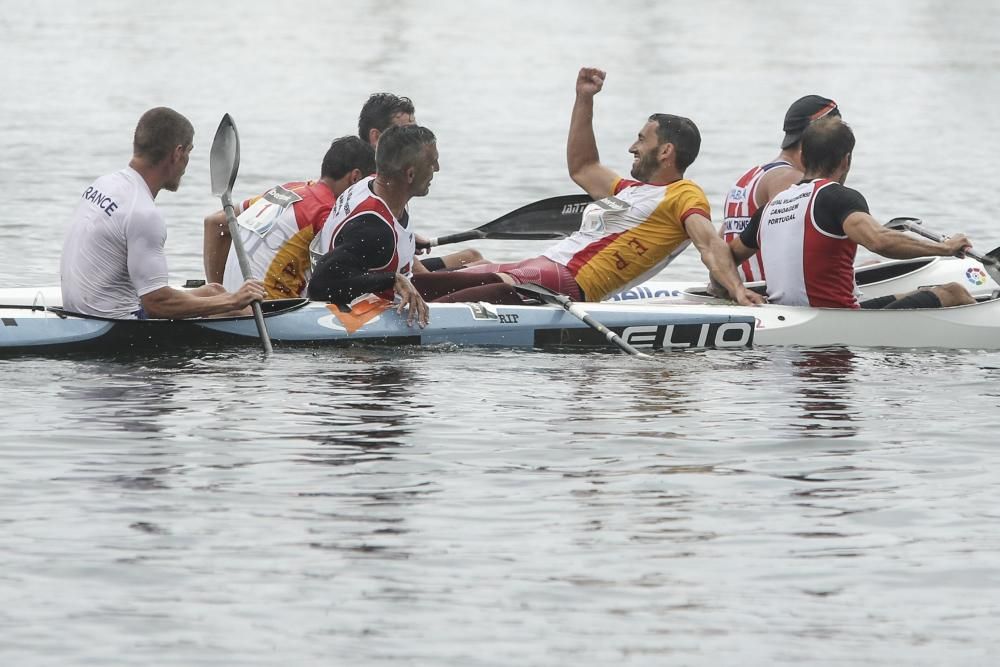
{"points": [[247, 203], [622, 184], [691, 211]]}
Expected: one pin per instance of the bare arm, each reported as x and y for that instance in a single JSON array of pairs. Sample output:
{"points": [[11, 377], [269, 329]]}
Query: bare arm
{"points": [[773, 182], [215, 250], [718, 258], [740, 253], [862, 228], [582, 158], [170, 303]]}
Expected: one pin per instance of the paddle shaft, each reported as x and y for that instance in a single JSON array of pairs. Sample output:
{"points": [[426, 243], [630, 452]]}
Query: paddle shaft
{"points": [[917, 228], [612, 337], [460, 237], [556, 299], [241, 255], [989, 263]]}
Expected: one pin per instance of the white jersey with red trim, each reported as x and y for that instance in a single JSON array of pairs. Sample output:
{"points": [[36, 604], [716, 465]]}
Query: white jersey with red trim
{"points": [[740, 205], [627, 238], [805, 265], [357, 200]]}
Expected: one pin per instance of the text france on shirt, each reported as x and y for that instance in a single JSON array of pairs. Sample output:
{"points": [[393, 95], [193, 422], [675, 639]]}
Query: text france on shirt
{"points": [[95, 196]]}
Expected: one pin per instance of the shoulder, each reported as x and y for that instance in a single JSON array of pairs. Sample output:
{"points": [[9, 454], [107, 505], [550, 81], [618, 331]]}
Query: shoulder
{"points": [[624, 184], [687, 193], [840, 196]]}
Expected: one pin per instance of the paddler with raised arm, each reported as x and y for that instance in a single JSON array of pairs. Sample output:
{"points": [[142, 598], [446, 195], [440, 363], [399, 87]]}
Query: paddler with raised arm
{"points": [[113, 263], [635, 227]]}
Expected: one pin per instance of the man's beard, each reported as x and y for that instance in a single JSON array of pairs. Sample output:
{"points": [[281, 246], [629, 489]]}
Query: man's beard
{"points": [[645, 167]]}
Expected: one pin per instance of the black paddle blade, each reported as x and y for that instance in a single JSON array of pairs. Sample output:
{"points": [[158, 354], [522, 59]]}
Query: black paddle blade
{"points": [[546, 219], [552, 218], [225, 157]]}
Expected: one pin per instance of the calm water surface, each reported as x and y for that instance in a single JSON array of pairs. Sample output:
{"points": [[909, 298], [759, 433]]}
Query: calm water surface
{"points": [[444, 507]]}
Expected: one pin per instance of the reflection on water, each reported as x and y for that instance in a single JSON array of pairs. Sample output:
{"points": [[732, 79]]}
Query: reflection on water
{"points": [[825, 385]]}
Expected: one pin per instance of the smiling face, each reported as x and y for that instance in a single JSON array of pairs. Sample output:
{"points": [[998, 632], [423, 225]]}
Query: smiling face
{"points": [[646, 152]]}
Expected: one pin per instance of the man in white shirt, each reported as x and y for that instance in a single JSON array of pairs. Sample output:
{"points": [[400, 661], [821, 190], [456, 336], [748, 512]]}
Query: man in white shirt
{"points": [[113, 264]]}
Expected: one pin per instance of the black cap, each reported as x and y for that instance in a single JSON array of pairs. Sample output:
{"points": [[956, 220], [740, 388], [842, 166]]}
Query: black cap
{"points": [[804, 111]]}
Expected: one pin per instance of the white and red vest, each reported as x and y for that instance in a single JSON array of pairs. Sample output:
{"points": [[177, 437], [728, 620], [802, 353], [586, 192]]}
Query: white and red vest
{"points": [[357, 200], [805, 265], [741, 204], [276, 229]]}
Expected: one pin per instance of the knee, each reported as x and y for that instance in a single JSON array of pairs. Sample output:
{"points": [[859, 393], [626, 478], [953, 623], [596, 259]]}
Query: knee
{"points": [[953, 294], [470, 255]]}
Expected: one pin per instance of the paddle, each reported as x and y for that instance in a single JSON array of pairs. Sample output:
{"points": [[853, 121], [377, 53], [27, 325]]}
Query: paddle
{"points": [[990, 261], [554, 298], [225, 163], [552, 218]]}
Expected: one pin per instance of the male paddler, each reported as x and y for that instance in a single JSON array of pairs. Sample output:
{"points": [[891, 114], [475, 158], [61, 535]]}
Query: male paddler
{"points": [[636, 227], [113, 263], [278, 226], [808, 235], [759, 184], [367, 245], [380, 112]]}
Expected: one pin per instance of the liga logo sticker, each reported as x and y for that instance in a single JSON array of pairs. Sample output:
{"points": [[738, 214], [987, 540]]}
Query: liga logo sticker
{"points": [[976, 276]]}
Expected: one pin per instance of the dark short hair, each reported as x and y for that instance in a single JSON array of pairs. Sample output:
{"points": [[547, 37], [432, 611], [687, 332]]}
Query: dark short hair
{"points": [[347, 154], [159, 131], [399, 147], [682, 133], [378, 111], [825, 143]]}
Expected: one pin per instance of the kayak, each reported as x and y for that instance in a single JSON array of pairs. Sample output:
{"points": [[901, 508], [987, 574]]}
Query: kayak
{"points": [[874, 280], [974, 326], [37, 329]]}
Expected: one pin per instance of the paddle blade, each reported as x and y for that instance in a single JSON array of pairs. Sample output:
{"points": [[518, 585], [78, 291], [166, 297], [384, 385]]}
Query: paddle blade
{"points": [[225, 157], [552, 218]]}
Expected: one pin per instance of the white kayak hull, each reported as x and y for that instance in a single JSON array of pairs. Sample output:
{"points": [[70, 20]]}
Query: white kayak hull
{"points": [[27, 329], [975, 326]]}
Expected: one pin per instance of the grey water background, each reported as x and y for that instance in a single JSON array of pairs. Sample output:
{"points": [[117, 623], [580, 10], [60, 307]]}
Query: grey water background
{"points": [[490, 507]]}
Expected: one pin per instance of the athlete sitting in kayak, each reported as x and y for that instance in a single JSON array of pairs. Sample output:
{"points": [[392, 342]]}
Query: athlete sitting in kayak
{"points": [[758, 185], [808, 235], [367, 246], [380, 112], [113, 264], [278, 226], [637, 226]]}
